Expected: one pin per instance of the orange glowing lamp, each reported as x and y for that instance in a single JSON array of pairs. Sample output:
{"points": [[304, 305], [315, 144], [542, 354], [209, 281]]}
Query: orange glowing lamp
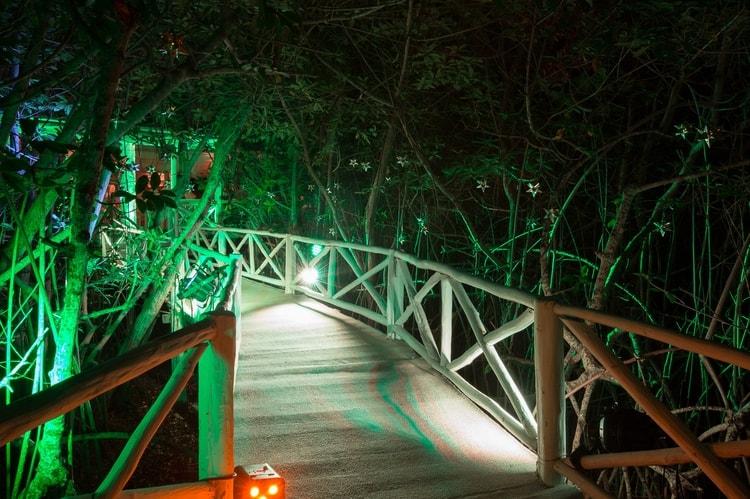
{"points": [[258, 482]]}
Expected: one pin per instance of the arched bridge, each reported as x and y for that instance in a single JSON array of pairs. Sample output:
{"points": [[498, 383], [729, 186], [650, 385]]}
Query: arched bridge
{"points": [[364, 372]]}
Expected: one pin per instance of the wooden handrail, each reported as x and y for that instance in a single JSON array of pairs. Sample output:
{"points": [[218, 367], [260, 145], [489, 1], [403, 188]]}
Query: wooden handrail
{"points": [[700, 454], [34, 410], [708, 348], [662, 457], [128, 459], [277, 259]]}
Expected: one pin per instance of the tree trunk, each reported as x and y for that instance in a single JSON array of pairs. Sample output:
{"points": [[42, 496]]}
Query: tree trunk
{"points": [[152, 306], [51, 471]]}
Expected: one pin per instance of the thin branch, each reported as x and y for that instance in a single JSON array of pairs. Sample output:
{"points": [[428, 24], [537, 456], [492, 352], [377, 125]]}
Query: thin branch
{"points": [[308, 164], [360, 13], [690, 176]]}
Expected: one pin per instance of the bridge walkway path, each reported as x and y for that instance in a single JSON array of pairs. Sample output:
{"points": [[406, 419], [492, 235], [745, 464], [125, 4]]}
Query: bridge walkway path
{"points": [[340, 411]]}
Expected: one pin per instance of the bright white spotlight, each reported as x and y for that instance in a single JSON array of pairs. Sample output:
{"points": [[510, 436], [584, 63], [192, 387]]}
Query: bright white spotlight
{"points": [[309, 275]]}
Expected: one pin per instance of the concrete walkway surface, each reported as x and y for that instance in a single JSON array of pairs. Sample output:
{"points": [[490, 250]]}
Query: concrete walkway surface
{"points": [[340, 411]]}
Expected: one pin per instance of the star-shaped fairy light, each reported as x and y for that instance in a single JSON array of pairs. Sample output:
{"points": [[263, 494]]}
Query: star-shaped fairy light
{"points": [[706, 134], [551, 214], [482, 185], [682, 131], [662, 227], [534, 189]]}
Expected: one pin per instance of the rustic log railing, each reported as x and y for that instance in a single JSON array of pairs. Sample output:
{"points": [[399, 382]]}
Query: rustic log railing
{"points": [[402, 295], [427, 305], [210, 345]]}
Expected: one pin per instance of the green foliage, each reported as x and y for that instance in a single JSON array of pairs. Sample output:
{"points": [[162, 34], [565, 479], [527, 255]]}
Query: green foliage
{"points": [[11, 173], [61, 89], [591, 151], [445, 66]]}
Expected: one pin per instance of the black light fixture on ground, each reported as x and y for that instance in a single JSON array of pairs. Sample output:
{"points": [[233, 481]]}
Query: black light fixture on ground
{"points": [[258, 481]]}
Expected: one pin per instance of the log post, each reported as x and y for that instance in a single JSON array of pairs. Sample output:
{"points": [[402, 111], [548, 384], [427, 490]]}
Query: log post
{"points": [[550, 394], [236, 259], [290, 260], [216, 405], [394, 295], [446, 321], [331, 273]]}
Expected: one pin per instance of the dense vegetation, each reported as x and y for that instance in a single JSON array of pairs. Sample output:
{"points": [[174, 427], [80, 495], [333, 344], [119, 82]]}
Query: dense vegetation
{"points": [[589, 150]]}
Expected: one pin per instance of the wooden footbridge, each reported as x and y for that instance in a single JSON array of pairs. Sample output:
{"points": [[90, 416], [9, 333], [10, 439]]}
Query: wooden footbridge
{"points": [[352, 371]]}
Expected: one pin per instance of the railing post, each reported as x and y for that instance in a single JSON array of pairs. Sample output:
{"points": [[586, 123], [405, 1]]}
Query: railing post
{"points": [[446, 321], [394, 296], [222, 242], [237, 310], [331, 274], [550, 394], [289, 264], [216, 407]]}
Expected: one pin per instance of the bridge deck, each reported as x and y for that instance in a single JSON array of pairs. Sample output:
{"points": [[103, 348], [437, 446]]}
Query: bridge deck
{"points": [[342, 412]]}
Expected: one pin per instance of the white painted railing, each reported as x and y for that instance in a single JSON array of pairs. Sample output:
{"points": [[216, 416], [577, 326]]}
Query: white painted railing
{"points": [[379, 285], [435, 308]]}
